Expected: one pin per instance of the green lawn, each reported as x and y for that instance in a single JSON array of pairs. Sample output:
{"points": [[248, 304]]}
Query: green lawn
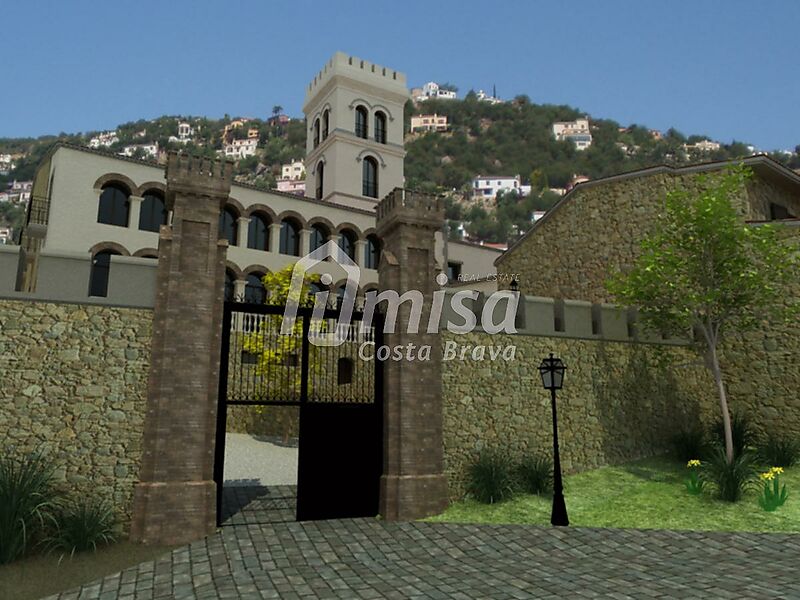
{"points": [[648, 494]]}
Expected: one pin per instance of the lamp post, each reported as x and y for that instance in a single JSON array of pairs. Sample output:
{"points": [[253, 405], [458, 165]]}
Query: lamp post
{"points": [[552, 372]]}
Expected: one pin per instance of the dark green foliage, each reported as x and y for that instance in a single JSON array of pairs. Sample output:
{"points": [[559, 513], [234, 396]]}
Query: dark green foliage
{"points": [[731, 480], [82, 526], [690, 443], [27, 502], [535, 475], [491, 478], [780, 451], [744, 436]]}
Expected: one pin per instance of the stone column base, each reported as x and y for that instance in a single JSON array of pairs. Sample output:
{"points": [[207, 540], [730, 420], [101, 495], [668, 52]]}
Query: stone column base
{"points": [[174, 512], [408, 497]]}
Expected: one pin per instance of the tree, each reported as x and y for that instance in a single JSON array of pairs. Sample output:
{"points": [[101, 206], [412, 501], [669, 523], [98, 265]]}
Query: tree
{"points": [[706, 270], [277, 110]]}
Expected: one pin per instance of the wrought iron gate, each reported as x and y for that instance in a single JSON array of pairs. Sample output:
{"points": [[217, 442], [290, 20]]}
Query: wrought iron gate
{"points": [[336, 388]]}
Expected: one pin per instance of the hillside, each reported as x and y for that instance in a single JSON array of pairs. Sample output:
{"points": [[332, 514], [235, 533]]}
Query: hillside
{"points": [[512, 138]]}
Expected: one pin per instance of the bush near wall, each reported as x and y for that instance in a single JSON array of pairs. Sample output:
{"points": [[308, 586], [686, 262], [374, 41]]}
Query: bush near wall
{"points": [[620, 401], [74, 383]]}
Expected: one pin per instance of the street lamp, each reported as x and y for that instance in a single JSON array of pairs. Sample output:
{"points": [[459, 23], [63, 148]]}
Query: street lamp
{"points": [[552, 372]]}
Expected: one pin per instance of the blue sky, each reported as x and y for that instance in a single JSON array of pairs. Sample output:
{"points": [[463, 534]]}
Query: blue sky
{"points": [[727, 69]]}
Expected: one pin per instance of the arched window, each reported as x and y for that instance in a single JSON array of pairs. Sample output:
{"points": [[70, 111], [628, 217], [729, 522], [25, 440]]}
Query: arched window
{"points": [[319, 235], [227, 225], [326, 117], [258, 233], [380, 127], [369, 180], [98, 275], [290, 238], [316, 133], [114, 205], [254, 291], [320, 180], [230, 280], [373, 252], [347, 242], [361, 122], [153, 212]]}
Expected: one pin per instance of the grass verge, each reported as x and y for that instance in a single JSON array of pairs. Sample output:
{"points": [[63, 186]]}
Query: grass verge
{"points": [[646, 494]]}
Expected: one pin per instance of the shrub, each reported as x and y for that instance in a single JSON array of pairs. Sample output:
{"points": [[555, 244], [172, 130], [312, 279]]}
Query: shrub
{"points": [[742, 431], [27, 500], [490, 478], [773, 495], [694, 484], [731, 480], [535, 475], [781, 451], [81, 526], [689, 444]]}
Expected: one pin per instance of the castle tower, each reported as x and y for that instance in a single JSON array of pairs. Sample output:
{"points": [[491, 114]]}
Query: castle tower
{"points": [[354, 147]]}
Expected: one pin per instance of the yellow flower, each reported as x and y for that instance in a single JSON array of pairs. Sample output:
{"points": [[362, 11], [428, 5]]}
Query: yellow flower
{"points": [[768, 476], [776, 470], [693, 463]]}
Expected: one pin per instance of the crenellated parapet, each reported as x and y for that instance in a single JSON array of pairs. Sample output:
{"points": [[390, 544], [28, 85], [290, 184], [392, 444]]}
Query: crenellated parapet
{"points": [[196, 175], [410, 208]]}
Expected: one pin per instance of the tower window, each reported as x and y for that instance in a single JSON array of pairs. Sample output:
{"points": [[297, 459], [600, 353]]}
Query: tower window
{"points": [[361, 122], [369, 182], [325, 124], [316, 133], [380, 127], [320, 180]]}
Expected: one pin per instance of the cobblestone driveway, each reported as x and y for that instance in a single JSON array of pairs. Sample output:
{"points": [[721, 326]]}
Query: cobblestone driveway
{"points": [[366, 558]]}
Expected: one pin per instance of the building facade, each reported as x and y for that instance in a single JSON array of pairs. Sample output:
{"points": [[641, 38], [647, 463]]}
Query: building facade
{"points": [[486, 188], [576, 131], [432, 122]]}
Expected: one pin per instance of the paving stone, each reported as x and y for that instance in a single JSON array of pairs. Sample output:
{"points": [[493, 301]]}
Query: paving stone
{"points": [[369, 559]]}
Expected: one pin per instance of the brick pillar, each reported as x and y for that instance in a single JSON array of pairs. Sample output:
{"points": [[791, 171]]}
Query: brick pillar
{"points": [[175, 498], [413, 484]]}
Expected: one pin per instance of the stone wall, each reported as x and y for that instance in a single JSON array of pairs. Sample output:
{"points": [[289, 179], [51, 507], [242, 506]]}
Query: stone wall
{"points": [[598, 229], [620, 401], [74, 383]]}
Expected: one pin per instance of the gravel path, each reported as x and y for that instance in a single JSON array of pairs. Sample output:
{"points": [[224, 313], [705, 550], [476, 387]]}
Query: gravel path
{"points": [[249, 461]]}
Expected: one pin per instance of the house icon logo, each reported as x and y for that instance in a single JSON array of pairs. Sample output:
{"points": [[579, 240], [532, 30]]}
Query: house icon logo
{"points": [[329, 253]]}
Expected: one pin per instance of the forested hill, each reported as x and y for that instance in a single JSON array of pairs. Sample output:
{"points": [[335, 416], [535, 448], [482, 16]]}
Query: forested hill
{"points": [[510, 138], [515, 138]]}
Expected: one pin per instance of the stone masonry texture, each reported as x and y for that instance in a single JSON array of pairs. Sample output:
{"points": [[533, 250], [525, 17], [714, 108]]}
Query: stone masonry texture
{"points": [[620, 401], [175, 497], [598, 229], [74, 379]]}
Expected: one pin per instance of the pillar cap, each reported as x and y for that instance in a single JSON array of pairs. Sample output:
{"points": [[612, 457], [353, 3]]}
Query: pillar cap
{"points": [[409, 207]]}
